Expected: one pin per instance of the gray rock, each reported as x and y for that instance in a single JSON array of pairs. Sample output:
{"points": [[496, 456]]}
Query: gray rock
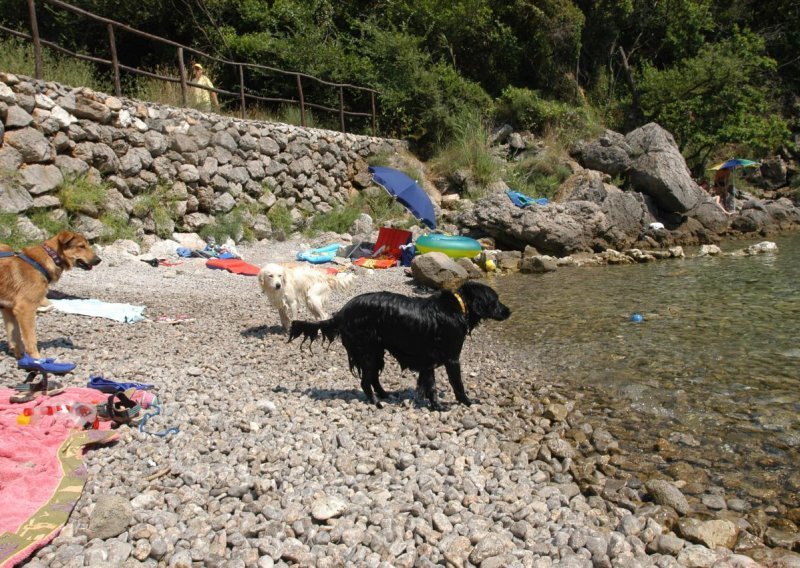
{"points": [[13, 198], [659, 170], [39, 178], [31, 144], [437, 270], [664, 493], [112, 515], [713, 534], [17, 118]]}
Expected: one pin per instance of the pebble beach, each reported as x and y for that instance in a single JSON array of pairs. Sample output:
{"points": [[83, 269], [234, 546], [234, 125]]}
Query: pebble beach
{"points": [[279, 461]]}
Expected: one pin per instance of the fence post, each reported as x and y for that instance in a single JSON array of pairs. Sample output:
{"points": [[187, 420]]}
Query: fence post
{"points": [[341, 107], [37, 46], [372, 100], [114, 61], [302, 101], [182, 70], [241, 90]]}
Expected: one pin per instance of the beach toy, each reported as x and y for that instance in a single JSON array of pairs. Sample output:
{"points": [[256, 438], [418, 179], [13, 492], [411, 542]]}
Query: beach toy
{"points": [[490, 265], [636, 318], [319, 255], [453, 246]]}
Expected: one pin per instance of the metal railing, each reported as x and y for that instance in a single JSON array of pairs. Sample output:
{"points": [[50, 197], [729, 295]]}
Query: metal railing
{"points": [[184, 82]]}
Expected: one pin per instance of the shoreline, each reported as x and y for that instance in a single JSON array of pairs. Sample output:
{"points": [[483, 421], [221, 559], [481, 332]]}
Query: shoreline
{"points": [[270, 434]]}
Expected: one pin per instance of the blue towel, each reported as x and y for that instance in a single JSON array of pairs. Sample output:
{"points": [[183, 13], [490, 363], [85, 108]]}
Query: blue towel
{"points": [[107, 385], [124, 313], [522, 200]]}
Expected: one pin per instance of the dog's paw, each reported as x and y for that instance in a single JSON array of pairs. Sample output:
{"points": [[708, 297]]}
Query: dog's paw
{"points": [[434, 404], [466, 401]]}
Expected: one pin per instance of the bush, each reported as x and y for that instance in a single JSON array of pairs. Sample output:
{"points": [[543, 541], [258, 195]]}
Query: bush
{"points": [[539, 176], [524, 109], [338, 220], [469, 150]]}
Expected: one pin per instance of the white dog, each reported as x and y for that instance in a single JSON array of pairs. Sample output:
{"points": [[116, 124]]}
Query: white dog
{"points": [[288, 285]]}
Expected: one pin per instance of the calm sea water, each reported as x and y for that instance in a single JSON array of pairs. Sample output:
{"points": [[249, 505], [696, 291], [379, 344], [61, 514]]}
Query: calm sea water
{"points": [[714, 366]]}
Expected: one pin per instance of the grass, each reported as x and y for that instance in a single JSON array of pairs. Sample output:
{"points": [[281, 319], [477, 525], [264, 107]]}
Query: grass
{"points": [[538, 176], [48, 222], [9, 234], [81, 195], [117, 226], [280, 219], [373, 201], [338, 220], [469, 150], [157, 204], [380, 159], [16, 56], [236, 224]]}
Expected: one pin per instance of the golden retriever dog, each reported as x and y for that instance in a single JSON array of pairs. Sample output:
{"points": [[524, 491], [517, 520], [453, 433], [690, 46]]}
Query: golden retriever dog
{"points": [[25, 278], [287, 286]]}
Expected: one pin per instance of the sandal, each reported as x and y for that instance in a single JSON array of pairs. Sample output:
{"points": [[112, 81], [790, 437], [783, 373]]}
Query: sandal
{"points": [[120, 409], [31, 389], [43, 365]]}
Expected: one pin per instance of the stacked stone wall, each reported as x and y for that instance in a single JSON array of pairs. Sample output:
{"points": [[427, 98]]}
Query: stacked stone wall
{"points": [[200, 165]]}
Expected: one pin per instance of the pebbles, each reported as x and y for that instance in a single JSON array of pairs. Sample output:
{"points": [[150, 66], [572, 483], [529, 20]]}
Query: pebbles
{"points": [[280, 461]]}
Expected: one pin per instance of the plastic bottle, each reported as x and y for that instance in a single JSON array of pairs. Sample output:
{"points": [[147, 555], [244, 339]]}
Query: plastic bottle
{"points": [[83, 415]]}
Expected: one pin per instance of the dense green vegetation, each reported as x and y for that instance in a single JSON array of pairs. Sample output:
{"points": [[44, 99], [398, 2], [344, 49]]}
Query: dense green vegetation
{"points": [[721, 76]]}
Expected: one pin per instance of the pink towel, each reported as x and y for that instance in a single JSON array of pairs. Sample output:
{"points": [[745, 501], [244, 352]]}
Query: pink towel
{"points": [[31, 465]]}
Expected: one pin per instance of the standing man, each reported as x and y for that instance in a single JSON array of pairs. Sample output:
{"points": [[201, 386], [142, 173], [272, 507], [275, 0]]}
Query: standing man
{"points": [[201, 98]]}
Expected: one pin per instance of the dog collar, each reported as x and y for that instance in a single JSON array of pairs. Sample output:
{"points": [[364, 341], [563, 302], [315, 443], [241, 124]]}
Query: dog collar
{"points": [[461, 302], [52, 254]]}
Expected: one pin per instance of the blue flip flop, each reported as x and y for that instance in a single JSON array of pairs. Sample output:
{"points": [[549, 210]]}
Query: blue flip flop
{"points": [[108, 386], [44, 365]]}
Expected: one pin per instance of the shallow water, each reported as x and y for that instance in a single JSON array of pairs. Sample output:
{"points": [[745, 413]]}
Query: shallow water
{"points": [[714, 367]]}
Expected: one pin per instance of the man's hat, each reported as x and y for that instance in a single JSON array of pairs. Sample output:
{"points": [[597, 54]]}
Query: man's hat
{"points": [[198, 66]]}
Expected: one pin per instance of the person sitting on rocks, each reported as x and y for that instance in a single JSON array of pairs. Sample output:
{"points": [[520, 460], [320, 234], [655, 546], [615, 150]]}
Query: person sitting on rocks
{"points": [[723, 190]]}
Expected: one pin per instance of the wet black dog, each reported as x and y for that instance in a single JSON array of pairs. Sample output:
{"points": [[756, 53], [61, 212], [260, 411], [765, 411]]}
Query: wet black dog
{"points": [[421, 333]]}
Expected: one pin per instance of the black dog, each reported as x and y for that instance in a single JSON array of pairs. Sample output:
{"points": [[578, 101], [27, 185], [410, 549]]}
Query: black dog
{"points": [[421, 333]]}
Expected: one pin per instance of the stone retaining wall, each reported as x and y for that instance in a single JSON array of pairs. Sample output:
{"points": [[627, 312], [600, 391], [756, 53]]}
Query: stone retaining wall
{"points": [[198, 165]]}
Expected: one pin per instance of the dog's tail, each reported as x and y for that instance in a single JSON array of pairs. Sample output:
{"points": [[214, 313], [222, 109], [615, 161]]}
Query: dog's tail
{"points": [[309, 330], [342, 280]]}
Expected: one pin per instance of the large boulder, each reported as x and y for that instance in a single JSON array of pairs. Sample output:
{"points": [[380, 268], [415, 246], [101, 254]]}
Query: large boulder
{"points": [[437, 270], [659, 170], [609, 154], [556, 229], [628, 212], [710, 215]]}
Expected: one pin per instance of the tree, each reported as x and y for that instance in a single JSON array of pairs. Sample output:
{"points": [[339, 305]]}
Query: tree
{"points": [[722, 95]]}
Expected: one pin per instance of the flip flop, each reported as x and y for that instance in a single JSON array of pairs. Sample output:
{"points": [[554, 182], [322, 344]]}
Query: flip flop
{"points": [[43, 365], [31, 389], [108, 386], [120, 409]]}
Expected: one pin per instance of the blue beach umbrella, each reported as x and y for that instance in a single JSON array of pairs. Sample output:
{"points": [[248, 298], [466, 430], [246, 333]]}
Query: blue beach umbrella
{"points": [[408, 192]]}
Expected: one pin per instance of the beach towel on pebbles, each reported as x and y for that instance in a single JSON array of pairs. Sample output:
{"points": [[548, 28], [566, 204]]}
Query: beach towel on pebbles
{"points": [[234, 265], [124, 313], [41, 472]]}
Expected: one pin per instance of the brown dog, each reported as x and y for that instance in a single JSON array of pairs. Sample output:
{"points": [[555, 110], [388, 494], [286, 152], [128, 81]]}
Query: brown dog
{"points": [[25, 278]]}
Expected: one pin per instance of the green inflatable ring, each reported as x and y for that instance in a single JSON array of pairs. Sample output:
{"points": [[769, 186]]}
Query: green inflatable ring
{"points": [[452, 246]]}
